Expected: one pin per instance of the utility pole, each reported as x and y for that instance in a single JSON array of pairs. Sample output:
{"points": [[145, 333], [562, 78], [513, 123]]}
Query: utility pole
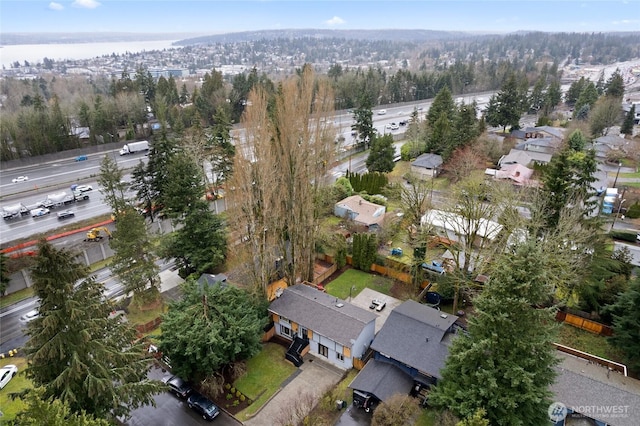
{"points": [[622, 200]]}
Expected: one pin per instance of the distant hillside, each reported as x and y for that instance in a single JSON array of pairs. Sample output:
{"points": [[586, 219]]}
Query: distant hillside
{"points": [[388, 35], [8, 39]]}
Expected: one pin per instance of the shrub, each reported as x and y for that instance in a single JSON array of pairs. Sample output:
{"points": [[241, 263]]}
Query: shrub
{"points": [[238, 393], [623, 235], [242, 398], [233, 390], [236, 403], [227, 386], [634, 211], [229, 396]]}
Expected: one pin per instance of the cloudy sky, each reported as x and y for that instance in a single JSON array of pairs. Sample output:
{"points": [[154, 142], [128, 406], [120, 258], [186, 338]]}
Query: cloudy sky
{"points": [[211, 16]]}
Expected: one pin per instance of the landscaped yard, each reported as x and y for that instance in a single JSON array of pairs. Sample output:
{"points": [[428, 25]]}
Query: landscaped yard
{"points": [[265, 373], [341, 286], [8, 406]]}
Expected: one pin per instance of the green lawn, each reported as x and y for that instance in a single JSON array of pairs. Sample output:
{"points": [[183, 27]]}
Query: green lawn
{"points": [[8, 406], [265, 373], [16, 296], [585, 341], [358, 280]]}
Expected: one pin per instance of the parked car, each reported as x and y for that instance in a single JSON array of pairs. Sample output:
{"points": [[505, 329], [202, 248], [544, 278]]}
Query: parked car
{"points": [[30, 316], [200, 403], [82, 158], [20, 179], [66, 214], [6, 374], [434, 266], [177, 386], [39, 212]]}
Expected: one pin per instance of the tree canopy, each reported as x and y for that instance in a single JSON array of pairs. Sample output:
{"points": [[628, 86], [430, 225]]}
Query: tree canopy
{"points": [[75, 351], [211, 327]]}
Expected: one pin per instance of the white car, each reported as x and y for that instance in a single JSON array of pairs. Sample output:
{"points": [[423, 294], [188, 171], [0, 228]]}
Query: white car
{"points": [[29, 316], [382, 111], [393, 126], [84, 188], [20, 179], [39, 212], [6, 373]]}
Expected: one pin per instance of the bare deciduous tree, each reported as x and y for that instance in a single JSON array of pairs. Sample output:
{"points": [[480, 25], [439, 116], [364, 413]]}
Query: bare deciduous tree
{"points": [[280, 165]]}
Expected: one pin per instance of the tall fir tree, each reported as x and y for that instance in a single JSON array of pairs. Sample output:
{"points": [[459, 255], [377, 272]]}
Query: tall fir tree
{"points": [[75, 351], [505, 364], [627, 123], [381, 155]]}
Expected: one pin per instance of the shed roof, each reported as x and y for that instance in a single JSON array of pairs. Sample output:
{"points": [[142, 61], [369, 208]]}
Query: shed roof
{"points": [[428, 161], [416, 335], [367, 212], [326, 315]]}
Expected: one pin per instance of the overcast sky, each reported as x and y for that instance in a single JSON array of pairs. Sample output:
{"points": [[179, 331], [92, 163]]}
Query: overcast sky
{"points": [[210, 16]]}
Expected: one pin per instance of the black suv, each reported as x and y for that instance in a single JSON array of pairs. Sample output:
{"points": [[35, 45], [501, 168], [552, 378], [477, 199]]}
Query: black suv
{"points": [[207, 409], [178, 386]]}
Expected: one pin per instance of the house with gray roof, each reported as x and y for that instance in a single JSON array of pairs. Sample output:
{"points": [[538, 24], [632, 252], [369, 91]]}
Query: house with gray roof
{"points": [[330, 328], [427, 165], [547, 145], [414, 340], [526, 158]]}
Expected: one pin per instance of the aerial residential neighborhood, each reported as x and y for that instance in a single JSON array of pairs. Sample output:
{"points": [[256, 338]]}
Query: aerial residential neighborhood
{"points": [[347, 222]]}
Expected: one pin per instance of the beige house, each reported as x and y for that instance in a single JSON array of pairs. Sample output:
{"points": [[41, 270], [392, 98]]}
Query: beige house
{"points": [[360, 211]]}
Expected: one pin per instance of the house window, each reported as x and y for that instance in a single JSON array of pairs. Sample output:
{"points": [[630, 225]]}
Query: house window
{"points": [[339, 356], [286, 331], [323, 350]]}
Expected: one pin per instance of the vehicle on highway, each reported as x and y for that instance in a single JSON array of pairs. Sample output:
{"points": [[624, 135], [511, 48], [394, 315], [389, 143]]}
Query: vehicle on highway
{"points": [[82, 158], [434, 266], [200, 403], [30, 316], [177, 386], [39, 212], [83, 188], [403, 123], [20, 179], [66, 214], [393, 126], [6, 374], [382, 111]]}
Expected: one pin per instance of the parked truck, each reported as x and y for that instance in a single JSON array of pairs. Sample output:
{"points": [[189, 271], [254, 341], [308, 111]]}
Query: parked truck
{"points": [[14, 211], [134, 147], [63, 198]]}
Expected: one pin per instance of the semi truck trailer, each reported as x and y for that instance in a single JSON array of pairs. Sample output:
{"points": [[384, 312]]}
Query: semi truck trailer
{"points": [[134, 147]]}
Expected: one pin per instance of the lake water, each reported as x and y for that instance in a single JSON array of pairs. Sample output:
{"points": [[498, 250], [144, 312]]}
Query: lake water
{"points": [[37, 52]]}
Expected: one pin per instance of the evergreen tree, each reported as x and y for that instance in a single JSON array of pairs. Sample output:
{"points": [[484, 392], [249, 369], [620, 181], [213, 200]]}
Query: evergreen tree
{"points": [[441, 134], [573, 93], [200, 245], [363, 126], [4, 274], [442, 104], [75, 351], [626, 324], [506, 107], [111, 185], [505, 362], [52, 412], [212, 327], [184, 185], [588, 97], [381, 155], [627, 124], [614, 88], [134, 262]]}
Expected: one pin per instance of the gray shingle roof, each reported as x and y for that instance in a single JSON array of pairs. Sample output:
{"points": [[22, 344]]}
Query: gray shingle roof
{"points": [[319, 312], [414, 334], [428, 161], [382, 380]]}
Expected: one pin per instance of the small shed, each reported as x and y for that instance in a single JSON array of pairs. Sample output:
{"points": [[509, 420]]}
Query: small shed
{"points": [[427, 165]]}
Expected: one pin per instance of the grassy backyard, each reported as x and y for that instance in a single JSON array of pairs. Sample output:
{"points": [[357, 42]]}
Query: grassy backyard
{"points": [[585, 341], [265, 373], [355, 281]]}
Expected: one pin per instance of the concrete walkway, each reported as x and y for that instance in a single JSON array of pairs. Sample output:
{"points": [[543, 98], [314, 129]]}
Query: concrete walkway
{"points": [[308, 383]]}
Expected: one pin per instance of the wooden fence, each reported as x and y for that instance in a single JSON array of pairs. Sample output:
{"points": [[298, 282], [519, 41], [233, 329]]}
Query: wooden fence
{"points": [[584, 324], [145, 328]]}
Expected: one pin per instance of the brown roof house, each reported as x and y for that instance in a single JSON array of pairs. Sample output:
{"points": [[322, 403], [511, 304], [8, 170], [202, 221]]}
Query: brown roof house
{"points": [[360, 211], [517, 173], [323, 325]]}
